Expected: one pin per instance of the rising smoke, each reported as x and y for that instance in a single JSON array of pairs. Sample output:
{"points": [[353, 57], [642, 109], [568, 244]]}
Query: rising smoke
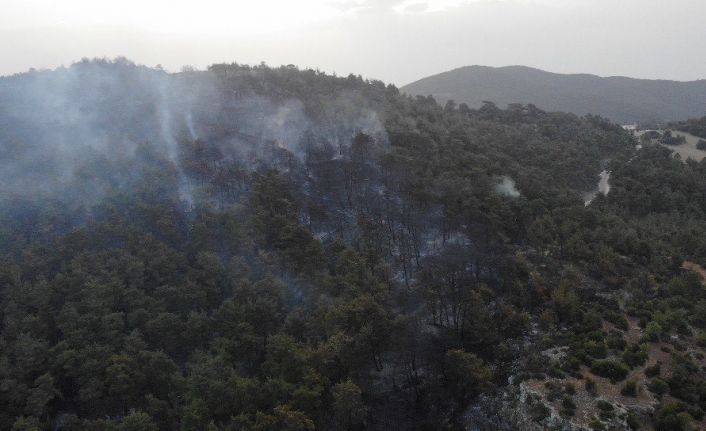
{"points": [[506, 187], [75, 132]]}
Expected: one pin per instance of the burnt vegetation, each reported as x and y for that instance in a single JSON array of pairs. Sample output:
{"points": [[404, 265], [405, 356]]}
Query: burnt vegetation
{"points": [[299, 251]]}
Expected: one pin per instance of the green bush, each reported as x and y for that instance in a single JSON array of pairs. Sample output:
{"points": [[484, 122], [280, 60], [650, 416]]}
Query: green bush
{"points": [[604, 406], [632, 422], [568, 403], [568, 407], [658, 386], [630, 389], [654, 370], [597, 425], [554, 391], [635, 355], [615, 341], [653, 331], [606, 409], [610, 369], [595, 349], [555, 372], [571, 364], [539, 412], [673, 417], [616, 318]]}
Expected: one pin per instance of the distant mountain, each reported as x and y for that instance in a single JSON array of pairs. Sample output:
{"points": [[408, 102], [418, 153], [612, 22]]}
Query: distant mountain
{"points": [[621, 99]]}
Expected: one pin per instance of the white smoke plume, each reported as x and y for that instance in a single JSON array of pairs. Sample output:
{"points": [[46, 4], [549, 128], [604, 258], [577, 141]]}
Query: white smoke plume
{"points": [[74, 132], [602, 188], [506, 187]]}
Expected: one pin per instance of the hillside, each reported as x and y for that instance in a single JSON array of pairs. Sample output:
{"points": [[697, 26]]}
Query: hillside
{"points": [[274, 249], [621, 99]]}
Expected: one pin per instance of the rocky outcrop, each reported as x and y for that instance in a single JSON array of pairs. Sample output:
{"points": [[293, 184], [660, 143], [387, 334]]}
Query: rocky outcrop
{"points": [[524, 408]]}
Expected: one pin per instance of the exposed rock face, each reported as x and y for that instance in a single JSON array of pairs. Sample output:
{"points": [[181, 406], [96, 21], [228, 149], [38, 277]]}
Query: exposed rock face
{"points": [[522, 408]]}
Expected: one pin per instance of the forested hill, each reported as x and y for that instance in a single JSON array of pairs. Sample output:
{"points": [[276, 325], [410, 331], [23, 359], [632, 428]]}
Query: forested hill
{"points": [[261, 249], [621, 99]]}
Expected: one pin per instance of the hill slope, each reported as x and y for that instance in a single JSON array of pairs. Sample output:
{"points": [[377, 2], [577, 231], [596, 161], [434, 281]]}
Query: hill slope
{"points": [[621, 99], [260, 249]]}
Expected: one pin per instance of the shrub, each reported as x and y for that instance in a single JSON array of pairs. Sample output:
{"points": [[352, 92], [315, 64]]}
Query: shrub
{"points": [[616, 318], [613, 370], [604, 406], [555, 372], [520, 377], [606, 409], [632, 422], [670, 139], [701, 145], [701, 339], [653, 331], [616, 341], [590, 387], [658, 386], [539, 412], [606, 416], [568, 407], [568, 403], [536, 363], [553, 391], [597, 425], [654, 370], [651, 134], [595, 349], [571, 364], [630, 389], [673, 417], [635, 355]]}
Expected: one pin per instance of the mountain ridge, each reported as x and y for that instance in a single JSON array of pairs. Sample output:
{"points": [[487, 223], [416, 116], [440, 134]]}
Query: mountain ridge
{"points": [[619, 98]]}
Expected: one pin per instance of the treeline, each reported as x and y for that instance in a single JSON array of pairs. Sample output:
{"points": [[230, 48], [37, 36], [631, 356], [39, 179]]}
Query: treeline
{"points": [[695, 126]]}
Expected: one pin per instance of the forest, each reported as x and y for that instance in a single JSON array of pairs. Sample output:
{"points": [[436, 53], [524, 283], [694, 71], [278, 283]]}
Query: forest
{"points": [[271, 249]]}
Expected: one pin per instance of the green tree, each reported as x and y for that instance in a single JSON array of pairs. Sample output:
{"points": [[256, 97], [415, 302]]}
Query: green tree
{"points": [[348, 408], [566, 303], [283, 418], [41, 396], [137, 421], [465, 374]]}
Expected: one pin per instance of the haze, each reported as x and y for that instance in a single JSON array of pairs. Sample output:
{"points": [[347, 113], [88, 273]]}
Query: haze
{"points": [[396, 41]]}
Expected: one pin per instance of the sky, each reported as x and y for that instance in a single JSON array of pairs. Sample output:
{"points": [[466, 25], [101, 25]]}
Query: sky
{"points": [[397, 41]]}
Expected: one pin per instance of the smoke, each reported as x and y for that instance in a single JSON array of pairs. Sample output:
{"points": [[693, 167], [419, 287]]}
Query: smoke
{"points": [[59, 127], [506, 187], [74, 133], [603, 188]]}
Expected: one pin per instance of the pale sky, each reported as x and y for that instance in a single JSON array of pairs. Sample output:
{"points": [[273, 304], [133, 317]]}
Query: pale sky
{"points": [[397, 41]]}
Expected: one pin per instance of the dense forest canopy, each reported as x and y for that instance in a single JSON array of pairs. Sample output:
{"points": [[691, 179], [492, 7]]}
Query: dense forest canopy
{"points": [[256, 248]]}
